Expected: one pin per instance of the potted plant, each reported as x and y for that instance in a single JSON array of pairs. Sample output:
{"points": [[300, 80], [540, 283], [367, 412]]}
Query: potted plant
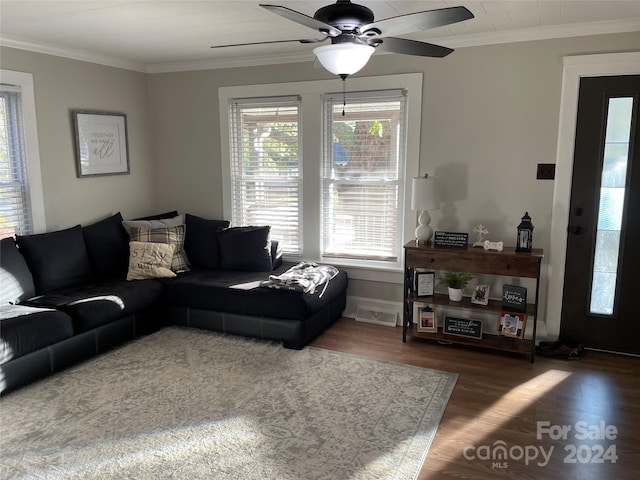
{"points": [[455, 282]]}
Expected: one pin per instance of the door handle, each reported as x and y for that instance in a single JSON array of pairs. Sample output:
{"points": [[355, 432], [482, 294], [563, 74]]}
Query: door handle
{"points": [[576, 230]]}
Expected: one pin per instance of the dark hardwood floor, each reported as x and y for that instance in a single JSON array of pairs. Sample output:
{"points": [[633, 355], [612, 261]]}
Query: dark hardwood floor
{"points": [[503, 400]]}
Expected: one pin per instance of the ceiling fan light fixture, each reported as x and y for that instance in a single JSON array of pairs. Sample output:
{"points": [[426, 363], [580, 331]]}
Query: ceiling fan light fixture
{"points": [[344, 58]]}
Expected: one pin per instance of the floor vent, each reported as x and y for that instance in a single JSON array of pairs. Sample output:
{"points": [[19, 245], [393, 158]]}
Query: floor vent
{"points": [[370, 315]]}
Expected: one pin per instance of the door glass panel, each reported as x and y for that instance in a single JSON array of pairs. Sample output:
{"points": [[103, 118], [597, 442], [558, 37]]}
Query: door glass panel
{"points": [[611, 205]]}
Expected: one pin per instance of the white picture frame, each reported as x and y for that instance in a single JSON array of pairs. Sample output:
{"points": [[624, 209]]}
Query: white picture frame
{"points": [[101, 143], [481, 295]]}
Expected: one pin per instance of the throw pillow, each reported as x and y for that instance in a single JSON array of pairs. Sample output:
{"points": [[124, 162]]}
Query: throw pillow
{"points": [[245, 249], [201, 242], [172, 236], [56, 259], [150, 260], [108, 247], [160, 223]]}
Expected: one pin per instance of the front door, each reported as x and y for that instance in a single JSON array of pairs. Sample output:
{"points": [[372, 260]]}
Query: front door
{"points": [[601, 297]]}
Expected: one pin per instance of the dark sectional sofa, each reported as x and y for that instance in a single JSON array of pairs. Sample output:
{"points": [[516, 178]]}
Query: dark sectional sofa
{"points": [[65, 298]]}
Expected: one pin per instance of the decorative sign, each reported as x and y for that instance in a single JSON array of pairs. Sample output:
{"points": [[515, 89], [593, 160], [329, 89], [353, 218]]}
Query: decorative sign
{"points": [[424, 283], [463, 327], [451, 239], [514, 298]]}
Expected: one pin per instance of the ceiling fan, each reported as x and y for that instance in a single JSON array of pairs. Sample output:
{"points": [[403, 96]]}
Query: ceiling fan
{"points": [[355, 35]]}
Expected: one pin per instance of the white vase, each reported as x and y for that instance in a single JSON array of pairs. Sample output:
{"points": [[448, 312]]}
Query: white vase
{"points": [[455, 294]]}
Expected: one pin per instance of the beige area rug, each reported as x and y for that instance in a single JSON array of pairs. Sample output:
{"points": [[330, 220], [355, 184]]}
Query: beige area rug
{"points": [[191, 404]]}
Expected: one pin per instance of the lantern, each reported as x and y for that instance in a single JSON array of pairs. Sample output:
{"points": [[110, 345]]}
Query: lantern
{"points": [[525, 234]]}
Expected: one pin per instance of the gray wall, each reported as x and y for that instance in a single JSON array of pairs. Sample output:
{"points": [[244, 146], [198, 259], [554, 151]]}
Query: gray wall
{"points": [[490, 114], [62, 85]]}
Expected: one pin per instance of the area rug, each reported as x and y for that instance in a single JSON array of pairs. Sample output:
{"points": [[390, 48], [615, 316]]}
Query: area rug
{"points": [[191, 404]]}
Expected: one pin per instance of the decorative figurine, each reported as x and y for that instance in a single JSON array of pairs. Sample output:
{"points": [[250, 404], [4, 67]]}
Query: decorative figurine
{"points": [[524, 241], [499, 246], [481, 230]]}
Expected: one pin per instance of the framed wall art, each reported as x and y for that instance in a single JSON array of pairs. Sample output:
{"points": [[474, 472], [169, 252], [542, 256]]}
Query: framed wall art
{"points": [[101, 143]]}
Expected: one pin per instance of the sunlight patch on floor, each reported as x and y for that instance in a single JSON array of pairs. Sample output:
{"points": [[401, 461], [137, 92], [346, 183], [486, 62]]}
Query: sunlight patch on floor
{"points": [[531, 390]]}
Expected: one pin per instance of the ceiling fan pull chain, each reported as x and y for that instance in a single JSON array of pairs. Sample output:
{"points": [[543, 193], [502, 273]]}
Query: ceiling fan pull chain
{"points": [[344, 92]]}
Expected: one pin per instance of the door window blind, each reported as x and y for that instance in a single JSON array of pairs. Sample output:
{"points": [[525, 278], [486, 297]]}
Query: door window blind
{"points": [[363, 165], [15, 204], [266, 167]]}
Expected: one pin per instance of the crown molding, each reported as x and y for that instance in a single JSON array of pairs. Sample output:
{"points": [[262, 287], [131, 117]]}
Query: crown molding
{"points": [[212, 64], [460, 41], [540, 33], [73, 54]]}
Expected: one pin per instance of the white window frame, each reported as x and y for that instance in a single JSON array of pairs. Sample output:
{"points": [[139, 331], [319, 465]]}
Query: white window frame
{"points": [[32, 149], [244, 178], [311, 113]]}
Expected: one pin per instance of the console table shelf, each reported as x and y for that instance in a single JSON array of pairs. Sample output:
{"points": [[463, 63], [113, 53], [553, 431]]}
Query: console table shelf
{"points": [[472, 260], [492, 342]]}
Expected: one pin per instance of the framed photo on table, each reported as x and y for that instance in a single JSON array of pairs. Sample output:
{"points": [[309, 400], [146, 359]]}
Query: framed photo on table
{"points": [[427, 320], [425, 282], [481, 295], [512, 324], [101, 143]]}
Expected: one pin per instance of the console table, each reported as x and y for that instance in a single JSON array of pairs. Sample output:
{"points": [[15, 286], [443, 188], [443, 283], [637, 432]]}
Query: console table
{"points": [[508, 262]]}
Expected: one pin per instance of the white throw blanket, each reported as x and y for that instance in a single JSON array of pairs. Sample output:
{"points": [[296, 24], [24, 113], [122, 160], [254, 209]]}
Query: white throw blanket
{"points": [[303, 277]]}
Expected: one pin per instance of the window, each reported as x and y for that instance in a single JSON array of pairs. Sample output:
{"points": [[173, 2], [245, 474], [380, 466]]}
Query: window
{"points": [[363, 165], [332, 187], [21, 206], [266, 177]]}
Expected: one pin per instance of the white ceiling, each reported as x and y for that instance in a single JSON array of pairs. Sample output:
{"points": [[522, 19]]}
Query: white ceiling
{"points": [[158, 35]]}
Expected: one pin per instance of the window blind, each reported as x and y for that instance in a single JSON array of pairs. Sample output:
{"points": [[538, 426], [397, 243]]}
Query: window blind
{"points": [[266, 167], [15, 204], [363, 165]]}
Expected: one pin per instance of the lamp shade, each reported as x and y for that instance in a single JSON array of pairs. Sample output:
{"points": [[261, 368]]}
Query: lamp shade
{"points": [[344, 58], [424, 193]]}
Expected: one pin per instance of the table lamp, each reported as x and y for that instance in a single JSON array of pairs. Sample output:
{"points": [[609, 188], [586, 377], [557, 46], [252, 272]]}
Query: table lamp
{"points": [[424, 197]]}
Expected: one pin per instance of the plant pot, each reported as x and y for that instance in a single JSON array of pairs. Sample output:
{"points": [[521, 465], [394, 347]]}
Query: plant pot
{"points": [[455, 294]]}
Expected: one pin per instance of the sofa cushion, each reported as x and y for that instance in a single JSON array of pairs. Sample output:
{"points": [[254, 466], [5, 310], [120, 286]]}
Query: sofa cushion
{"points": [[201, 241], [108, 247], [96, 304], [156, 223], [213, 290], [150, 260], [15, 277], [160, 216], [245, 249], [56, 259], [170, 236], [26, 329]]}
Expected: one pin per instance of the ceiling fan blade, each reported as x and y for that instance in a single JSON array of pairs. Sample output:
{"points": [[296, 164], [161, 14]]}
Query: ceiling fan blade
{"points": [[301, 40], [416, 22], [303, 19], [410, 47]]}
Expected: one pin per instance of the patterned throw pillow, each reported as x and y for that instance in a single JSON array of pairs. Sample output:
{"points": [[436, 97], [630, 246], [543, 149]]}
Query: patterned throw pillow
{"points": [[150, 260], [170, 235]]}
